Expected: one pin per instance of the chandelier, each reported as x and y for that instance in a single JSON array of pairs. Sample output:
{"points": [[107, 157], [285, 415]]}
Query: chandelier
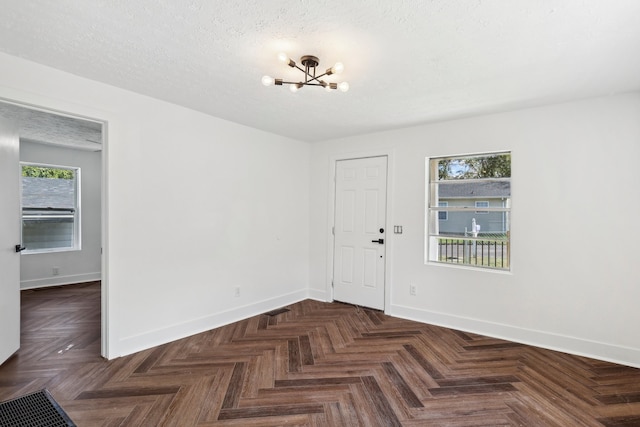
{"points": [[310, 63]]}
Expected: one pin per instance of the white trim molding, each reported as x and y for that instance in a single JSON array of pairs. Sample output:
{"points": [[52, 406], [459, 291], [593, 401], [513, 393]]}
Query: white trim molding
{"points": [[178, 331], [567, 344], [60, 280]]}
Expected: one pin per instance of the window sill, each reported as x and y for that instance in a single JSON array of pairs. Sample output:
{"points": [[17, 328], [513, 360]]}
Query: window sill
{"points": [[469, 267], [49, 251]]}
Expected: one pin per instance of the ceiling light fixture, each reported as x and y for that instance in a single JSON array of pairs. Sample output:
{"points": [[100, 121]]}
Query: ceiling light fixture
{"points": [[310, 63]]}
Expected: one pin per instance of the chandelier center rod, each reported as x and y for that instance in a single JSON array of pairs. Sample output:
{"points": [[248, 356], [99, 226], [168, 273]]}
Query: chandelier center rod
{"points": [[309, 62]]}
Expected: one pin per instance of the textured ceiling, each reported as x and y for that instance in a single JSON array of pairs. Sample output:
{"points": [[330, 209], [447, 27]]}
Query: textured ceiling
{"points": [[407, 62], [54, 129]]}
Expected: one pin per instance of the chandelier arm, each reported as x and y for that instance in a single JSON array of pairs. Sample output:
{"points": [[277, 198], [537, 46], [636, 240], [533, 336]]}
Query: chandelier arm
{"points": [[321, 75], [309, 75], [316, 78], [301, 69], [304, 84]]}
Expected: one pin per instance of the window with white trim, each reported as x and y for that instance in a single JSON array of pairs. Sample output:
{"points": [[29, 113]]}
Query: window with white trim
{"points": [[443, 215], [457, 232], [50, 208], [482, 204]]}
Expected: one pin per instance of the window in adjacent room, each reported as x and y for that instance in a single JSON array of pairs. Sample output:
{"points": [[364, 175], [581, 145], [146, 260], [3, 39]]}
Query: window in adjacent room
{"points": [[50, 208], [468, 210]]}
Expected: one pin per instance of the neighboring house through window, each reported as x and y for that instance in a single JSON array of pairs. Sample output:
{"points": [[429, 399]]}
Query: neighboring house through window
{"points": [[50, 208]]}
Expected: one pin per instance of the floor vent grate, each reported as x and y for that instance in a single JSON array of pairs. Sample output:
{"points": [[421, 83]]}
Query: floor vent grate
{"points": [[37, 409], [276, 312]]}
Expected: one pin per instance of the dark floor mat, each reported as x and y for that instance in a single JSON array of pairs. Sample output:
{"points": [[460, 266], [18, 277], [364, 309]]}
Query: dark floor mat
{"points": [[37, 409], [276, 312]]}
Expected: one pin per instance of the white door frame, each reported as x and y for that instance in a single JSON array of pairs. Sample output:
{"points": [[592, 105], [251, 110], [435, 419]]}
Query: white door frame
{"points": [[108, 332], [388, 225]]}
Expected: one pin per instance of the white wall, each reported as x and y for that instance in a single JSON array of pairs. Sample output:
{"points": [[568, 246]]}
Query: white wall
{"points": [[199, 205], [574, 283], [36, 270], [196, 207]]}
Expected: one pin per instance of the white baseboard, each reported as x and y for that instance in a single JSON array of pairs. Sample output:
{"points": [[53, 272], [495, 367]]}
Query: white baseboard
{"points": [[158, 337], [566, 344], [581, 347], [60, 280], [318, 295]]}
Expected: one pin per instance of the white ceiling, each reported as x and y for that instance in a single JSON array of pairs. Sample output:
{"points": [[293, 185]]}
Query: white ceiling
{"points": [[407, 62], [53, 129]]}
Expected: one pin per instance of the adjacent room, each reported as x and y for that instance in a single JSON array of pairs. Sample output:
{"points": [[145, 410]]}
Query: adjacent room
{"points": [[321, 213]]}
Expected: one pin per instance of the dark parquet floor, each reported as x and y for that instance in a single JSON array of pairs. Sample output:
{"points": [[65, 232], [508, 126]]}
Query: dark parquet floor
{"points": [[318, 364]]}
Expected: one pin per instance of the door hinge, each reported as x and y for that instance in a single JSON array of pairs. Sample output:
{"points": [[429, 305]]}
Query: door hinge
{"points": [[332, 283], [333, 231]]}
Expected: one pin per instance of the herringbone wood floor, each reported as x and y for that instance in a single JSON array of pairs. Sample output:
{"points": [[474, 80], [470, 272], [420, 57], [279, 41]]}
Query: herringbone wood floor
{"points": [[319, 364]]}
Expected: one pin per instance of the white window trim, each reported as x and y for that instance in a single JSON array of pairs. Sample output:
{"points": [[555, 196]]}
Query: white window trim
{"points": [[431, 237]]}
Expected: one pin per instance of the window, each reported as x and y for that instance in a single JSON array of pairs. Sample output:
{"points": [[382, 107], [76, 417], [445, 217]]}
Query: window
{"points": [[457, 232], [50, 208], [482, 204], [443, 215]]}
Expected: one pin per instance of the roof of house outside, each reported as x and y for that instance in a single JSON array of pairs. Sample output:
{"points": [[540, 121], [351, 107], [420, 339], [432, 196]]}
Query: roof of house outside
{"points": [[474, 190], [48, 193]]}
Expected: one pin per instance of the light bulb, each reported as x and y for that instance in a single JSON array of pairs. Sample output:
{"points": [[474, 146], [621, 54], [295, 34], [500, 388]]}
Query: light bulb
{"points": [[267, 80], [344, 86], [338, 68], [294, 88], [283, 57]]}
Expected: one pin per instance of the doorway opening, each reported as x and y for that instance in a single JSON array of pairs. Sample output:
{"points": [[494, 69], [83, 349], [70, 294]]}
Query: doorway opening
{"points": [[52, 141]]}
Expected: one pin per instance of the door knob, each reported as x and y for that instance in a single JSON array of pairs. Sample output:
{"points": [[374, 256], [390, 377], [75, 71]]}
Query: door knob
{"points": [[381, 241], [20, 248]]}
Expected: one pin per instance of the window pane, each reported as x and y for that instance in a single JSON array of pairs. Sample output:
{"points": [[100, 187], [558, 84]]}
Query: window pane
{"points": [[47, 233], [474, 167], [490, 251], [49, 207], [461, 223]]}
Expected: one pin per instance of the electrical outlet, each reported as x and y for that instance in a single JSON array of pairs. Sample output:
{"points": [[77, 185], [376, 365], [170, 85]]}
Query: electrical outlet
{"points": [[412, 289], [55, 271], [237, 294]]}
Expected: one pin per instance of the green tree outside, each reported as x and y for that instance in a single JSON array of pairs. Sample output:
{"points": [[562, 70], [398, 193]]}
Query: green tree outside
{"points": [[44, 172], [474, 167]]}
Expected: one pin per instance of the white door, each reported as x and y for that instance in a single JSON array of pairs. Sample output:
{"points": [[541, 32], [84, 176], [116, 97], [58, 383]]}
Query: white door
{"points": [[9, 238], [359, 241]]}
